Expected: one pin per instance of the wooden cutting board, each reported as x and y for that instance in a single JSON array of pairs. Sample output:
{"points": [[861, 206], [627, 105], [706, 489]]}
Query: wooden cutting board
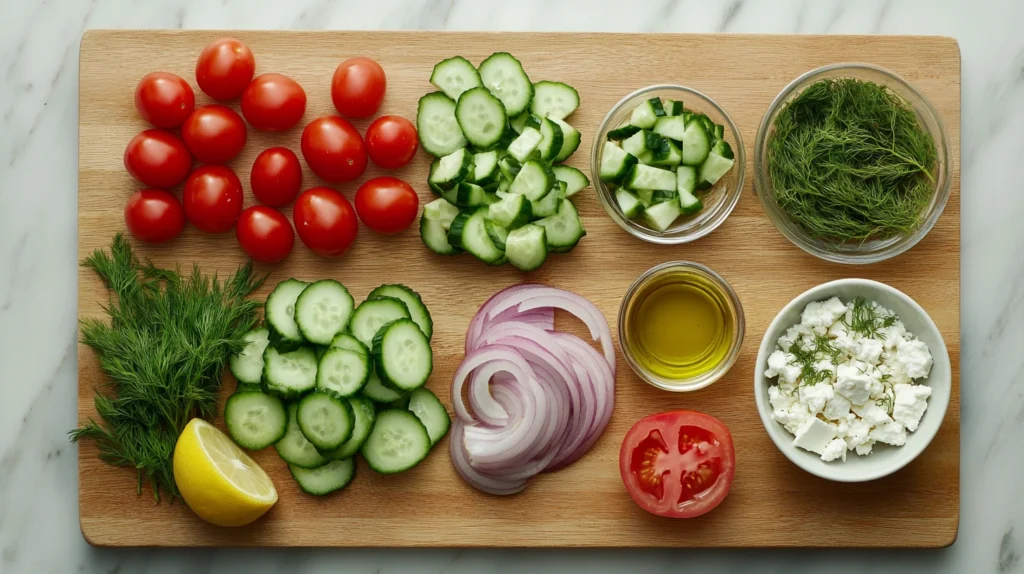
{"points": [[772, 503]]}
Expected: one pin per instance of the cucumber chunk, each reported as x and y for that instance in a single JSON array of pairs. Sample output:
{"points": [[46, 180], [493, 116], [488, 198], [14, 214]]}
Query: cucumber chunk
{"points": [[523, 146], [564, 229], [551, 142], [497, 234], [689, 203], [440, 210], [439, 131], [255, 420], [660, 216], [548, 205], [686, 179], [647, 177], [323, 310], [511, 212], [615, 163], [629, 203], [526, 247], [696, 144], [435, 237], [533, 180], [452, 169], [485, 171], [672, 127], [468, 232], [574, 179], [398, 442], [570, 140]]}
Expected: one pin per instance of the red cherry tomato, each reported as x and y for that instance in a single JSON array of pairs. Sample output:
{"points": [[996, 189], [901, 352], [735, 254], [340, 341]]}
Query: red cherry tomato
{"points": [[157, 159], [164, 99], [387, 204], [214, 133], [154, 216], [213, 198], [391, 141], [265, 234], [225, 68], [273, 103], [333, 149], [357, 87], [678, 464], [276, 176], [325, 221]]}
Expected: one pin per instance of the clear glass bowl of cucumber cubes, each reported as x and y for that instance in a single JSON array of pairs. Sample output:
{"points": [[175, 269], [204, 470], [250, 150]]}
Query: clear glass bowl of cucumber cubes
{"points": [[500, 141], [670, 164]]}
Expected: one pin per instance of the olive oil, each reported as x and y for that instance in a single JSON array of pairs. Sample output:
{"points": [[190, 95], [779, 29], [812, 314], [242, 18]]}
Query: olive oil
{"points": [[679, 324]]}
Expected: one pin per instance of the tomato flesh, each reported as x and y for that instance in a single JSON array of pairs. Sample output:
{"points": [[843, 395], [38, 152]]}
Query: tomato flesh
{"points": [[678, 464]]}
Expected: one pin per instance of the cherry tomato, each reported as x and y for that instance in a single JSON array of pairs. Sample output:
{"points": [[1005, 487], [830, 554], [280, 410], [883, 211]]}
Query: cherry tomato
{"points": [[333, 149], [265, 234], [391, 141], [154, 216], [357, 87], [213, 198], [214, 133], [276, 176], [325, 221], [387, 204], [273, 103], [157, 158], [164, 99], [678, 464], [225, 68]]}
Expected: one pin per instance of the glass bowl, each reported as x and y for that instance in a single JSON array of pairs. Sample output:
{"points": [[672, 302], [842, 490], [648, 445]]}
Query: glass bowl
{"points": [[725, 296], [719, 201], [874, 250]]}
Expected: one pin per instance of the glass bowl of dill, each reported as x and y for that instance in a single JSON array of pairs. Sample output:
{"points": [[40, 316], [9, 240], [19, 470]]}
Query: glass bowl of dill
{"points": [[718, 201], [851, 163]]}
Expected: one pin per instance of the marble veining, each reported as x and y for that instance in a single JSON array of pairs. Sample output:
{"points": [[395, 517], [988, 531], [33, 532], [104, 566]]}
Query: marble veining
{"points": [[39, 42]]}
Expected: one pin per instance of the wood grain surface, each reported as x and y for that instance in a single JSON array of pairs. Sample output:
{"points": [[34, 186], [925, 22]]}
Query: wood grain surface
{"points": [[772, 503]]}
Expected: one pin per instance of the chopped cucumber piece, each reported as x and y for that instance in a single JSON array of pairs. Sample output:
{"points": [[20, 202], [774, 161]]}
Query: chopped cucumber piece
{"points": [[413, 302], [470, 195], [667, 154], [647, 177], [554, 100], [398, 442], [468, 232], [402, 356], [570, 140], [343, 372], [714, 168], [524, 145], [646, 114], [519, 122], [686, 179], [323, 310], [661, 195], [440, 210], [497, 234], [628, 203], [672, 127], [646, 197], [526, 247], [564, 229], [533, 180], [373, 314], [247, 365], [435, 236], [255, 420], [548, 205], [661, 215], [622, 133], [439, 131], [293, 447], [325, 420], [454, 76], [289, 374], [642, 144], [279, 313], [452, 169], [481, 117], [331, 477], [551, 144], [503, 75], [673, 108], [615, 163], [511, 212], [434, 416], [574, 179], [696, 143], [485, 171], [689, 203], [365, 415]]}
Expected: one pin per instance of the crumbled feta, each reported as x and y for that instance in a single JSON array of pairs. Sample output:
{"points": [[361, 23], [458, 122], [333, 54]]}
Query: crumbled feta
{"points": [[862, 391]]}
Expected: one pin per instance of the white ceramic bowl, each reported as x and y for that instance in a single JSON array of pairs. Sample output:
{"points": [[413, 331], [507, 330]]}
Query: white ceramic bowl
{"points": [[884, 459]]}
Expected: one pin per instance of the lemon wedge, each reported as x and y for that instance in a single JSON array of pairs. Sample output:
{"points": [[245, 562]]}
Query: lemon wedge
{"points": [[218, 481]]}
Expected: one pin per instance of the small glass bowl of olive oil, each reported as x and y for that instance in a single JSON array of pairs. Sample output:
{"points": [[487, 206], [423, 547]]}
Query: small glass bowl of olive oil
{"points": [[680, 326]]}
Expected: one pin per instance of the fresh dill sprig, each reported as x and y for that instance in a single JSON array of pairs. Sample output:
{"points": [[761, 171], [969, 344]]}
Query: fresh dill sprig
{"points": [[849, 161], [806, 358], [163, 351], [866, 320]]}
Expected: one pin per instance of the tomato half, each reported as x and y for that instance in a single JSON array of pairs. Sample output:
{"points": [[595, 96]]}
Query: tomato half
{"points": [[357, 87], [325, 221], [391, 141], [273, 103], [678, 464], [154, 216], [265, 234], [157, 158], [387, 204], [225, 68], [333, 149], [164, 99], [276, 176], [214, 133], [212, 198]]}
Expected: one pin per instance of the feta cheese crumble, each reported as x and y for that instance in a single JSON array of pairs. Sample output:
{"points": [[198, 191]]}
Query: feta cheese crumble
{"points": [[845, 379]]}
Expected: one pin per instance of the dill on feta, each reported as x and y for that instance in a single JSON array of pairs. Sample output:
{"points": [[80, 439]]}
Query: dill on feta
{"points": [[865, 318], [849, 161], [807, 358], [163, 351]]}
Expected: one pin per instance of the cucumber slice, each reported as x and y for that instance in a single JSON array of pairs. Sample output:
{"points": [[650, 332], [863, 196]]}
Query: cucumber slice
{"points": [[454, 76], [434, 416], [503, 75], [439, 131], [523, 146], [293, 447], [378, 393], [554, 100], [689, 203], [440, 210], [398, 442], [290, 374], [331, 477], [660, 216], [279, 313], [343, 372], [469, 232], [548, 205], [629, 203], [616, 163], [435, 236], [623, 132], [247, 366], [647, 177], [255, 420], [452, 169], [402, 355], [526, 247], [325, 420], [570, 140], [511, 212], [574, 179], [551, 144], [470, 195], [413, 302], [672, 127], [686, 179], [365, 415], [373, 314], [323, 310], [496, 233], [481, 117], [485, 171], [533, 180], [519, 122], [696, 144], [347, 341], [564, 229]]}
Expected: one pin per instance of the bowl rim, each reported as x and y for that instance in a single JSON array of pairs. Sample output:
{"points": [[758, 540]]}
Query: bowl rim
{"points": [[762, 187], [649, 235], [719, 370], [775, 431]]}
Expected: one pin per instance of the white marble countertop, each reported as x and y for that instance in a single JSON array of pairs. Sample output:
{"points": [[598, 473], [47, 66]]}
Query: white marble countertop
{"points": [[38, 157]]}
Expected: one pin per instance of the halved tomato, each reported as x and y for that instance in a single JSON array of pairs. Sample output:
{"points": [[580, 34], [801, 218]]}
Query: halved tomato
{"points": [[678, 464]]}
